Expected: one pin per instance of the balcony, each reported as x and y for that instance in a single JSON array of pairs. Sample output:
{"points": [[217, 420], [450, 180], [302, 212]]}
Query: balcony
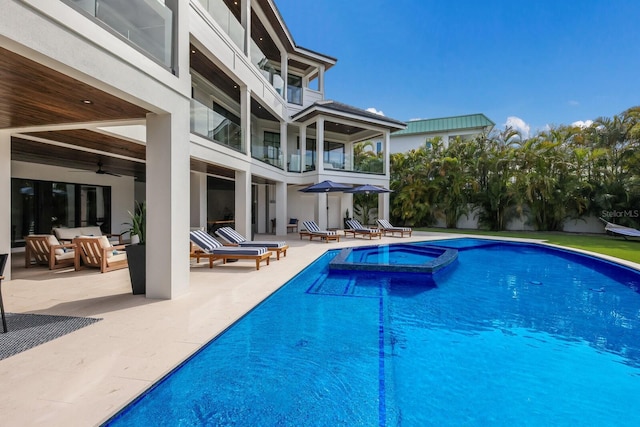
{"points": [[215, 127], [227, 21], [147, 24], [267, 154]]}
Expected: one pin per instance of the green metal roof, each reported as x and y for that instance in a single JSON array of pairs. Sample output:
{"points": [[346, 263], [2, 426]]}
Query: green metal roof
{"points": [[470, 121]]}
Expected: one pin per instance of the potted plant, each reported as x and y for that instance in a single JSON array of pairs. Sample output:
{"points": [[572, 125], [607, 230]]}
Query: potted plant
{"points": [[136, 252], [346, 217]]}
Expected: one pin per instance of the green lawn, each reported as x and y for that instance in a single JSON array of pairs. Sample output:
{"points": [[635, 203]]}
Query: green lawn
{"points": [[607, 245]]}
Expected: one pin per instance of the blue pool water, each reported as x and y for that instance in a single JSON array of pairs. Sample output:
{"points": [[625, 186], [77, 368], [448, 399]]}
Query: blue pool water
{"points": [[508, 334]]}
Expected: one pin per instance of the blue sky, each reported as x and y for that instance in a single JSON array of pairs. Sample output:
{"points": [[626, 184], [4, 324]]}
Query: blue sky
{"points": [[539, 62]]}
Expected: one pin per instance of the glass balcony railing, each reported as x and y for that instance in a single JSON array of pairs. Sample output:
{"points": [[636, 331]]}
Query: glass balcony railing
{"points": [[147, 24], [267, 154], [215, 127], [227, 20]]}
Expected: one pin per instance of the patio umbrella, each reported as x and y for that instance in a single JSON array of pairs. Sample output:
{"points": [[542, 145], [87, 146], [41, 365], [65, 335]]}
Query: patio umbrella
{"points": [[368, 189], [325, 187]]}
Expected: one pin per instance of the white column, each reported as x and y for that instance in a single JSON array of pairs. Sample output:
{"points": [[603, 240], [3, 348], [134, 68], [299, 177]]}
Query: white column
{"points": [[284, 146], [281, 209], [383, 206], [284, 72], [322, 212], [167, 219], [243, 203], [321, 80], [5, 194], [245, 118], [245, 20], [303, 147], [198, 199], [320, 145], [387, 154]]}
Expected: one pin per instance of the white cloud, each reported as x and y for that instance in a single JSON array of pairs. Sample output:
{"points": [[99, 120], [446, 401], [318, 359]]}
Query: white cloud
{"points": [[516, 123], [374, 111], [582, 123], [415, 119], [574, 103]]}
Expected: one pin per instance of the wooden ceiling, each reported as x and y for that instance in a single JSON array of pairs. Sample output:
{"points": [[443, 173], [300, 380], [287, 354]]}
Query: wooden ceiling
{"points": [[34, 95]]}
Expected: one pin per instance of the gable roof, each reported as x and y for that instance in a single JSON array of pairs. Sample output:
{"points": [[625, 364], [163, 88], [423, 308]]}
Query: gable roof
{"points": [[469, 121]]}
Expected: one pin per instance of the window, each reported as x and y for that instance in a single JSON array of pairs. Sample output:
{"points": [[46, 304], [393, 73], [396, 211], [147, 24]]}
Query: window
{"points": [[333, 155], [39, 206], [310, 156], [294, 89], [271, 148]]}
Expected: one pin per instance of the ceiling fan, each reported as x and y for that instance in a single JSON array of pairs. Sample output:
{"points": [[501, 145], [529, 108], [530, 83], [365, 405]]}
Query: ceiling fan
{"points": [[101, 171]]}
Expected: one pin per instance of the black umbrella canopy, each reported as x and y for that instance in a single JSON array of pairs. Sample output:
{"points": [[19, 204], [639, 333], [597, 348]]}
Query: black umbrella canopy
{"points": [[368, 189], [325, 187]]}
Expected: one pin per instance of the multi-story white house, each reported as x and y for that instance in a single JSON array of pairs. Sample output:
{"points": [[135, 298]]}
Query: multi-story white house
{"points": [[419, 132], [206, 109]]}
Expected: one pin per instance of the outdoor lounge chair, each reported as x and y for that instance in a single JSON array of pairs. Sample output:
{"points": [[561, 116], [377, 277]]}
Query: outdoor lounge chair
{"points": [[386, 227], [312, 230], [45, 249], [236, 239], [97, 252], [620, 229], [210, 248], [356, 228]]}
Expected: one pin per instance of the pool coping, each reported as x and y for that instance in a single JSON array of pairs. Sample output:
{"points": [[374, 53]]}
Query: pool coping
{"points": [[445, 257]]}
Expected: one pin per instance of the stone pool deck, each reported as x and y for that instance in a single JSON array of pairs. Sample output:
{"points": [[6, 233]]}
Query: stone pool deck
{"points": [[84, 377]]}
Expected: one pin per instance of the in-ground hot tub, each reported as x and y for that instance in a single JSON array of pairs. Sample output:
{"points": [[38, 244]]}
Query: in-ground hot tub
{"points": [[396, 258]]}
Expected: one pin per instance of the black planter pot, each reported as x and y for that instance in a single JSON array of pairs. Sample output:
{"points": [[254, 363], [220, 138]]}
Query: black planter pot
{"points": [[346, 227], [136, 256]]}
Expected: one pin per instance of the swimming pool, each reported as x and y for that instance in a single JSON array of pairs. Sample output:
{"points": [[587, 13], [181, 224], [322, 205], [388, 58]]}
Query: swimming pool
{"points": [[509, 334]]}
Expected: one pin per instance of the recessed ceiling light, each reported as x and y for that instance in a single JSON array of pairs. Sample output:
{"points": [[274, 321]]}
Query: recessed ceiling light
{"points": [[87, 101], [193, 51]]}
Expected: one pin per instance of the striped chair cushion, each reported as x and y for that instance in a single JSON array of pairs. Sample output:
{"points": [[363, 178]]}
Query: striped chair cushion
{"points": [[204, 240], [387, 226], [312, 227], [355, 225], [264, 244], [230, 235], [211, 245], [239, 250]]}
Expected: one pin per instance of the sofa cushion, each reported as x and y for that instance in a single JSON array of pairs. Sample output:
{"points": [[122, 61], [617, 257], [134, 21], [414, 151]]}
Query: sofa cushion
{"points": [[120, 256], [90, 231], [53, 241]]}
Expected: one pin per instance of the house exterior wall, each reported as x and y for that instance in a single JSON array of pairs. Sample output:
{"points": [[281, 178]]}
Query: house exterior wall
{"points": [[66, 40]]}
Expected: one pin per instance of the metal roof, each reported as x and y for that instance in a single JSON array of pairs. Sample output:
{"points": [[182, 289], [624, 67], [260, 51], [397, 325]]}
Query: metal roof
{"points": [[470, 121]]}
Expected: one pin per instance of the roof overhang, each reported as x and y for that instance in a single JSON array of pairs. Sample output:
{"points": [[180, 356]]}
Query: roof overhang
{"points": [[347, 112]]}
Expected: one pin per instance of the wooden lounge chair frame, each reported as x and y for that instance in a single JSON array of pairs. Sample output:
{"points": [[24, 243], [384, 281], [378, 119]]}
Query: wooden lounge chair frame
{"points": [[392, 230], [312, 230], [39, 248], [362, 231], [197, 253], [91, 253], [203, 245], [227, 233]]}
